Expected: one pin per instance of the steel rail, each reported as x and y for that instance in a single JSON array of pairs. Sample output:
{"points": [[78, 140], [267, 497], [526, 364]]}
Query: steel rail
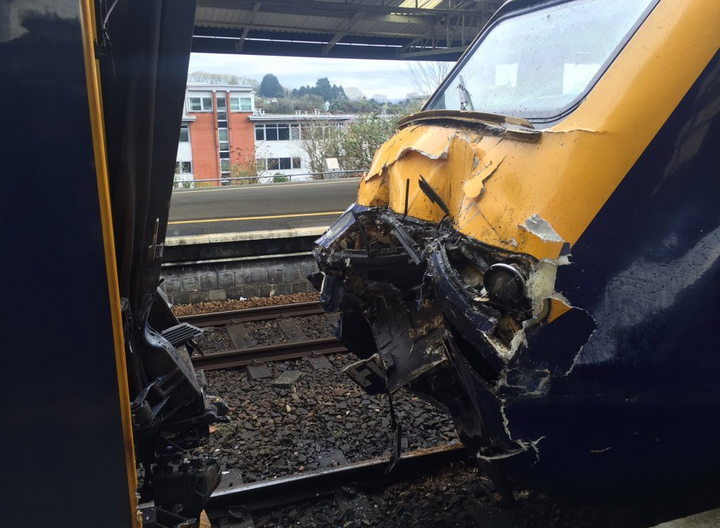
{"points": [[280, 352], [246, 315], [311, 485]]}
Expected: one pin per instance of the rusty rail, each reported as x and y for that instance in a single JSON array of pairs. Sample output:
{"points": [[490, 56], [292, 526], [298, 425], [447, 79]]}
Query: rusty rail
{"points": [[280, 352], [311, 485], [246, 315]]}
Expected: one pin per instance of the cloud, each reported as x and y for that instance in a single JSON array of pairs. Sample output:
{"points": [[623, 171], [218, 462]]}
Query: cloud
{"points": [[370, 76]]}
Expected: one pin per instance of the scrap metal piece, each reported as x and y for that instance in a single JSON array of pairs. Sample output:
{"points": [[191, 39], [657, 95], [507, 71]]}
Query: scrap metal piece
{"points": [[181, 333], [370, 374], [434, 197]]}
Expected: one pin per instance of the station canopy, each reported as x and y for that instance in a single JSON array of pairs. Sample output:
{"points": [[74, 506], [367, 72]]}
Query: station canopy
{"points": [[357, 29]]}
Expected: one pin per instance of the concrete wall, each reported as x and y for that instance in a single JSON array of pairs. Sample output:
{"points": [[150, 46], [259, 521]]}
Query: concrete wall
{"points": [[250, 278]]}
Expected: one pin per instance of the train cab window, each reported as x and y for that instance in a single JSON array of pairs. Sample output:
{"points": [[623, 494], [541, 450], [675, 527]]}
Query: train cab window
{"points": [[538, 63]]}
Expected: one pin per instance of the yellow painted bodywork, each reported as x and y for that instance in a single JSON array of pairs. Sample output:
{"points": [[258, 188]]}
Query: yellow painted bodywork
{"points": [[492, 185], [92, 73]]}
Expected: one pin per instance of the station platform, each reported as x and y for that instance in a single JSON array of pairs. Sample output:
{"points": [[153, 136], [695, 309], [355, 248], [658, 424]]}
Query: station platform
{"points": [[708, 519], [248, 241], [260, 208]]}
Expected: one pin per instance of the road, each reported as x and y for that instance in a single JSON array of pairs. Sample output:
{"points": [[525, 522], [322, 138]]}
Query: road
{"points": [[259, 207]]}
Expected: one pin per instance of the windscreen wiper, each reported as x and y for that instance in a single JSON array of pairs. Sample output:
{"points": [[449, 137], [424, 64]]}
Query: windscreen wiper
{"points": [[465, 101]]}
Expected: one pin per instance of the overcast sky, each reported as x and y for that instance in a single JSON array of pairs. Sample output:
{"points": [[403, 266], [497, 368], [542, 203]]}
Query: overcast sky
{"points": [[370, 76]]}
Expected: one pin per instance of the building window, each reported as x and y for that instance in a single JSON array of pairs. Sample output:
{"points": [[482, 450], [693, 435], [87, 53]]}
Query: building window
{"points": [[221, 109], [240, 104], [183, 167], [272, 164], [184, 133], [223, 139], [277, 132], [223, 143], [200, 104]]}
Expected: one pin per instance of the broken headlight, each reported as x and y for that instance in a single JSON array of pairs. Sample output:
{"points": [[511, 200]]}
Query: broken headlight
{"points": [[505, 285]]}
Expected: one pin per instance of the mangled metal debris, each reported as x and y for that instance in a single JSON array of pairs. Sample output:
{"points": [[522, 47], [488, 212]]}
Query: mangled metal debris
{"points": [[427, 307], [419, 301]]}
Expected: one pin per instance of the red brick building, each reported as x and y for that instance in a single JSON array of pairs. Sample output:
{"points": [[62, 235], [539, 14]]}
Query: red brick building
{"points": [[216, 132]]}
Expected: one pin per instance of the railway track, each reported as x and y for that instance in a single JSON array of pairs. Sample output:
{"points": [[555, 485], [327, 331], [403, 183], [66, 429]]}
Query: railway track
{"points": [[312, 485], [240, 357], [248, 315], [280, 352]]}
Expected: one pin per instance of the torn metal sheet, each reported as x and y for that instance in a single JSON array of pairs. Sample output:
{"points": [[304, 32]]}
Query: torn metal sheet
{"points": [[541, 228]]}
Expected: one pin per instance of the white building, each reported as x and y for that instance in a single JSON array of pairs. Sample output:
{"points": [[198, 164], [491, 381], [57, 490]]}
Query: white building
{"points": [[279, 140]]}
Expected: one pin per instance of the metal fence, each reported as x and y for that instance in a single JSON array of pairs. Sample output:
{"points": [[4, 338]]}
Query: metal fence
{"points": [[267, 179]]}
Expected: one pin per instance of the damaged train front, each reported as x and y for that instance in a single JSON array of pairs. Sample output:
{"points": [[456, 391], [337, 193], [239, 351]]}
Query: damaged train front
{"points": [[533, 253], [426, 306]]}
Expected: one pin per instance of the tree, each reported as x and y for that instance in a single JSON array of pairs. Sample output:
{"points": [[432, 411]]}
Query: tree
{"points": [[308, 102], [426, 76], [271, 87], [354, 94], [213, 78], [321, 139], [338, 94], [323, 88], [246, 168], [363, 137], [222, 78]]}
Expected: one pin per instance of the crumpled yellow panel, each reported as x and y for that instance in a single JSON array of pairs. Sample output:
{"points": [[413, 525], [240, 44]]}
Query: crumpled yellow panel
{"points": [[432, 144], [498, 187]]}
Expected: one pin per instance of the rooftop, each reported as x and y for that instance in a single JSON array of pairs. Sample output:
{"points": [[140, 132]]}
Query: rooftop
{"points": [[201, 87], [309, 116], [370, 29]]}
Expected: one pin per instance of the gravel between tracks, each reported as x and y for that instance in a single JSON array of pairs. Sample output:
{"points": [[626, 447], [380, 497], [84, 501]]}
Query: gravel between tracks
{"points": [[458, 497], [325, 417], [276, 432], [217, 339], [236, 304]]}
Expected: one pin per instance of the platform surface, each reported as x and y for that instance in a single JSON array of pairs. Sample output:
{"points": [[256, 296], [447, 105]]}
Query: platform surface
{"points": [[708, 519], [262, 207]]}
